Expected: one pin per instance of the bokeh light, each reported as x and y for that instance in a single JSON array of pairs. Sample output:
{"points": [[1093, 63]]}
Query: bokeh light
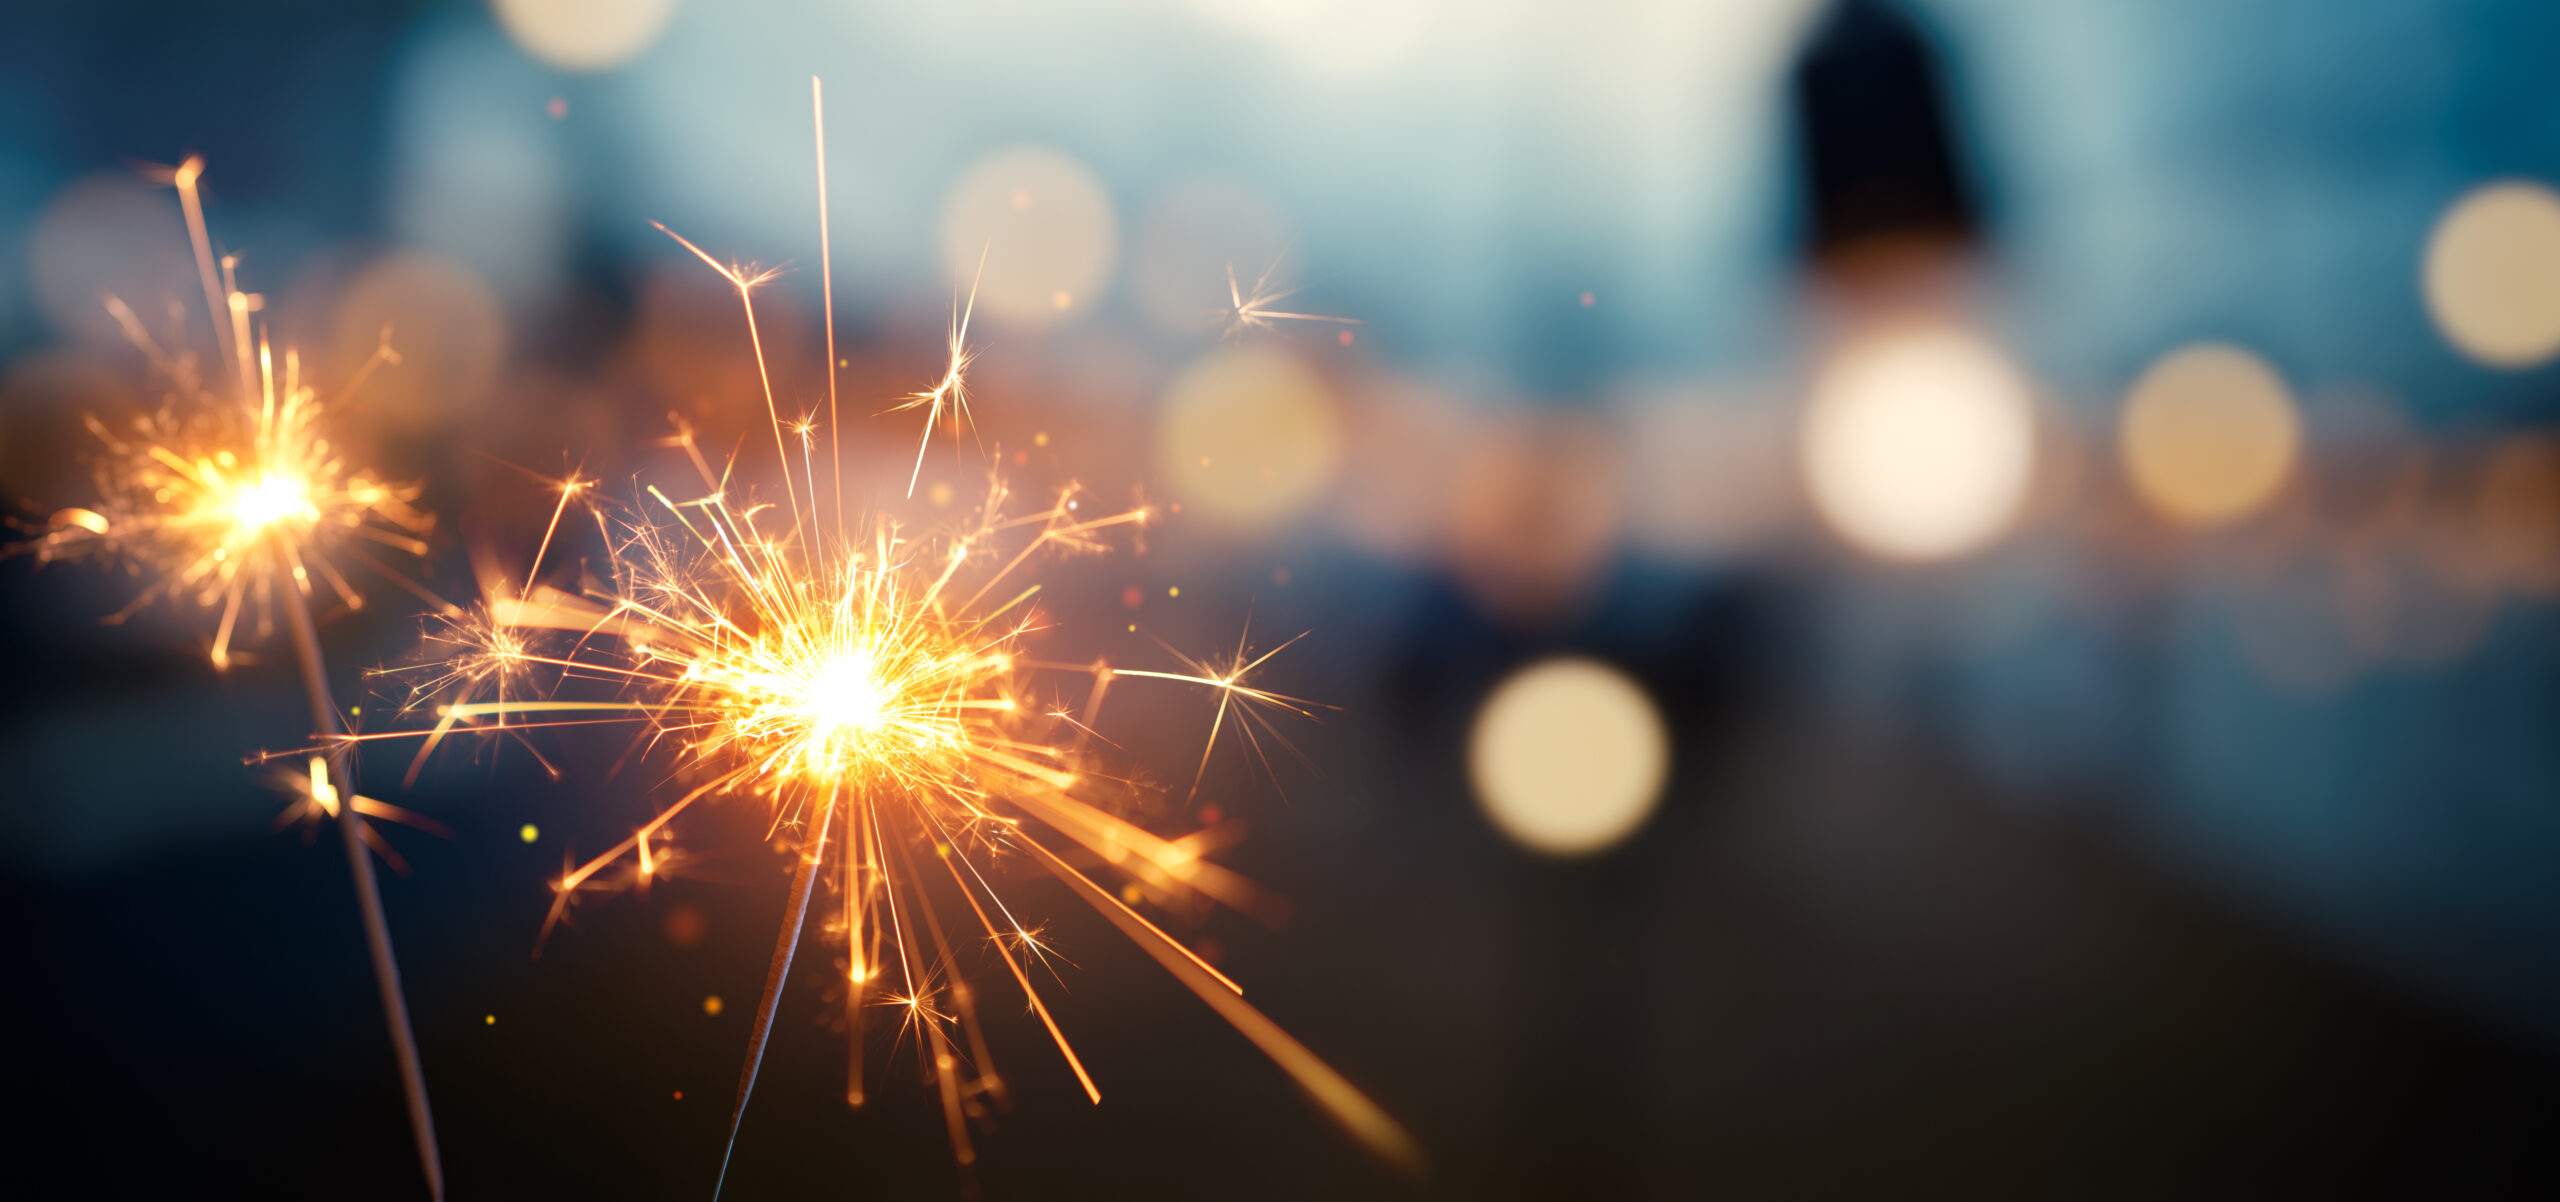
{"points": [[1041, 224], [1919, 442], [1248, 437], [448, 327], [112, 234], [2519, 514], [2492, 274], [584, 35], [1568, 757], [1535, 506], [2208, 434]]}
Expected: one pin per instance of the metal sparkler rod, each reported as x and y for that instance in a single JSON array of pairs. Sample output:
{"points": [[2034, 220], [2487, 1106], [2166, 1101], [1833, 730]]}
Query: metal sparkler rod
{"points": [[377, 932], [804, 880]]}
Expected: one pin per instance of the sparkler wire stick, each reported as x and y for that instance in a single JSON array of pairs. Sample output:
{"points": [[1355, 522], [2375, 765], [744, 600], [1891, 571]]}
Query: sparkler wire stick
{"points": [[351, 828], [804, 881]]}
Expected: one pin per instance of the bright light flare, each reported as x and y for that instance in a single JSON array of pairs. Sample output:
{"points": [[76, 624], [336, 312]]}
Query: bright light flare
{"points": [[234, 480]]}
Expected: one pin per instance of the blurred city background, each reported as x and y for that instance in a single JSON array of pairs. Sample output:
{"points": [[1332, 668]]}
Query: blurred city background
{"points": [[1924, 596]]}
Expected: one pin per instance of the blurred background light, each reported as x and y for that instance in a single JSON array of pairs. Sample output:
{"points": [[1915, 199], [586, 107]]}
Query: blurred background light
{"points": [[112, 234], [584, 35], [1568, 756], [447, 327], [2492, 274], [2208, 434], [1043, 228], [1248, 438], [1918, 441]]}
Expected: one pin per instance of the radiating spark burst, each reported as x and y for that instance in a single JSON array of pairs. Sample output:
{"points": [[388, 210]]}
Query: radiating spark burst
{"points": [[231, 496], [233, 483], [1253, 309], [867, 688]]}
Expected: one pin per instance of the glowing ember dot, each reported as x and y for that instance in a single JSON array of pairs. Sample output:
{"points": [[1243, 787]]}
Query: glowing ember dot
{"points": [[1589, 300], [2208, 434], [1919, 443], [711, 1006], [1568, 757], [528, 832], [679, 1095], [1040, 440], [2492, 274], [1344, 338], [1132, 894], [1175, 591], [1132, 597], [489, 1020]]}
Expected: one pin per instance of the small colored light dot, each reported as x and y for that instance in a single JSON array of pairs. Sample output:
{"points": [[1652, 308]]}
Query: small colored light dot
{"points": [[1589, 300], [1344, 338], [1175, 591], [1063, 299], [528, 832], [711, 1005], [679, 1095], [488, 1020], [558, 108], [1132, 894]]}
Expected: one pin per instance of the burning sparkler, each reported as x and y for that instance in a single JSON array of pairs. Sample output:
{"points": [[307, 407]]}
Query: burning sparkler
{"points": [[868, 687], [231, 497]]}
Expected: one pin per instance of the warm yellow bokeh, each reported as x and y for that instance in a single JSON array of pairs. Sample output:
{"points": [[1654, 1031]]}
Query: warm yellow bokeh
{"points": [[1042, 227], [1248, 437], [2492, 274], [1919, 442], [2208, 434], [584, 35], [1568, 757]]}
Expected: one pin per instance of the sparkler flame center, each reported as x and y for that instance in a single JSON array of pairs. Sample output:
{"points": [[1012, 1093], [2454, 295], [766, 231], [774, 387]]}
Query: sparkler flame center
{"points": [[272, 499], [846, 695]]}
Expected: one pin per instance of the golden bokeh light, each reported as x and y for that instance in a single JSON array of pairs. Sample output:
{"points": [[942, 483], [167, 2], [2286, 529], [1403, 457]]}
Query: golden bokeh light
{"points": [[1249, 437], [1035, 230], [584, 35], [1568, 756], [2492, 274], [1919, 443], [2208, 434]]}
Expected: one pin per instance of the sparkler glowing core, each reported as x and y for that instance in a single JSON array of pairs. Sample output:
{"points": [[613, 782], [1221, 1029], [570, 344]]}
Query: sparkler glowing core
{"points": [[872, 694]]}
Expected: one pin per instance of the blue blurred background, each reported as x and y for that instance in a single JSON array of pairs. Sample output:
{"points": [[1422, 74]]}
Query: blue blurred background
{"points": [[2077, 483]]}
